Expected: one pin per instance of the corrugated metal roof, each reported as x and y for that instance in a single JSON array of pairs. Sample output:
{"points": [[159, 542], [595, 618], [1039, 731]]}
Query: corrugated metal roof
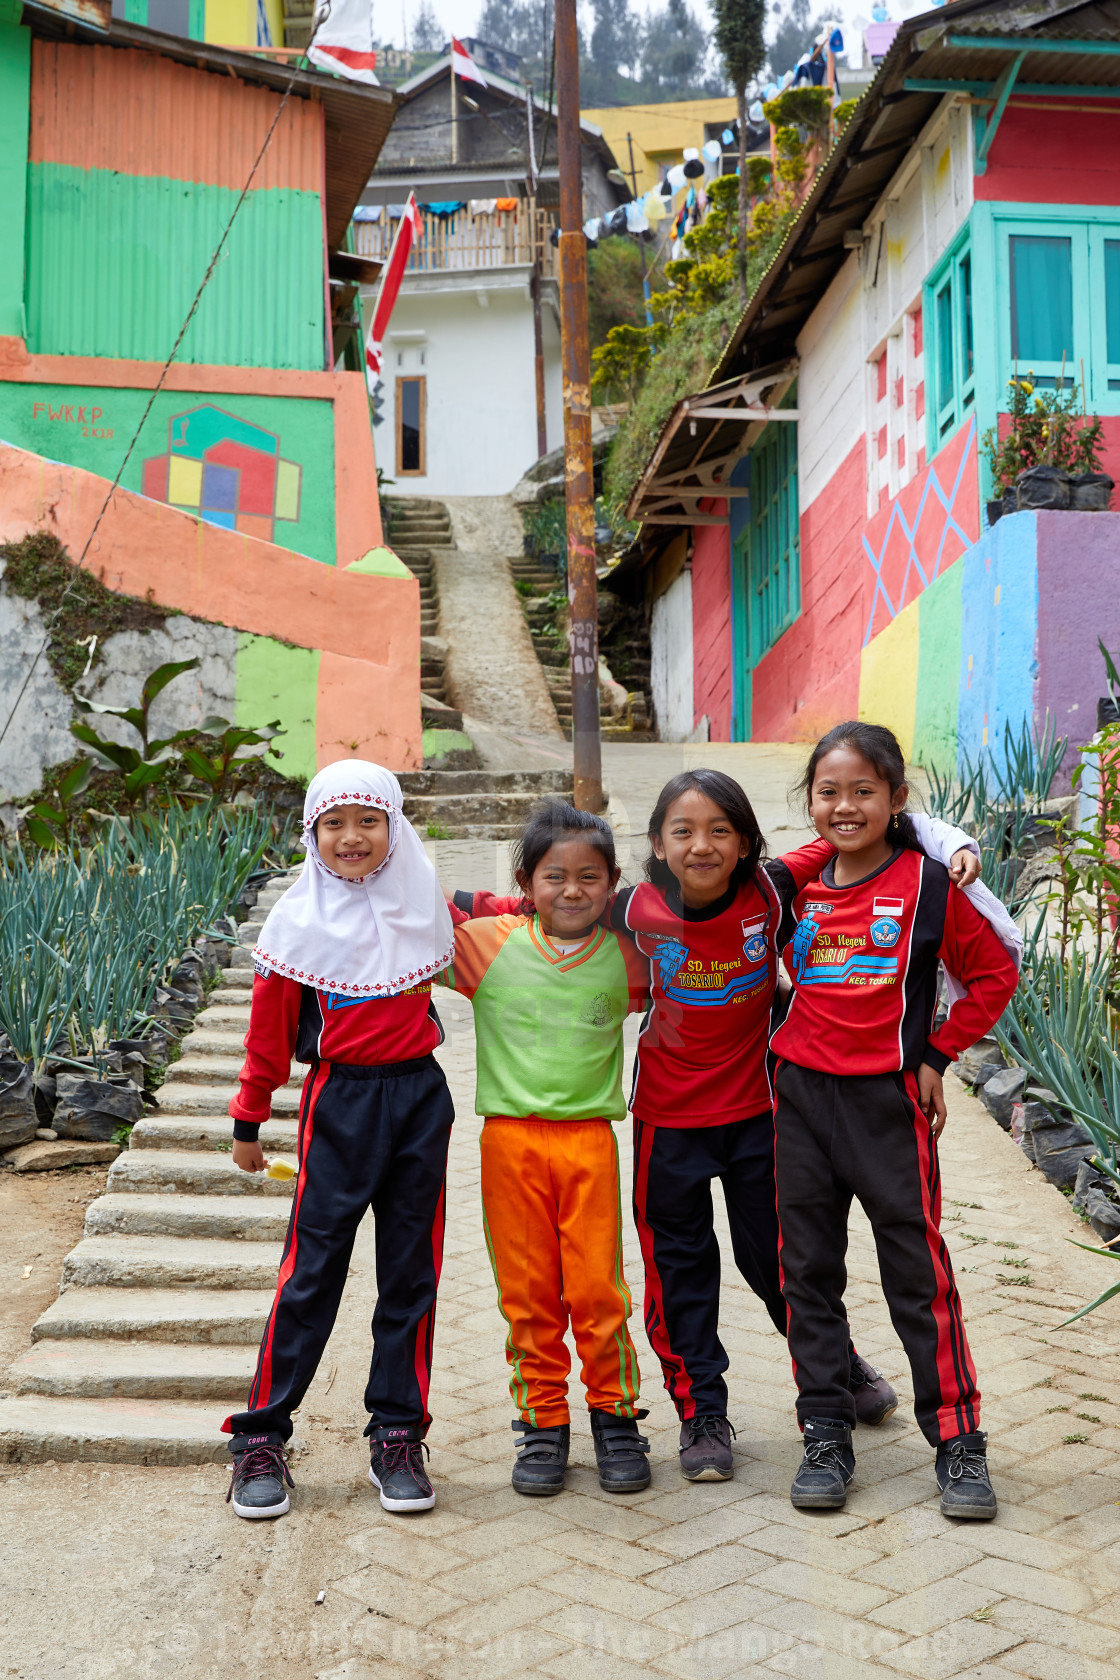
{"points": [[114, 260], [100, 108]]}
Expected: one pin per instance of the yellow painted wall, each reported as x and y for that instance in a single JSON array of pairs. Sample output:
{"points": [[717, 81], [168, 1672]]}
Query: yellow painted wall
{"points": [[233, 23], [888, 677], [660, 132]]}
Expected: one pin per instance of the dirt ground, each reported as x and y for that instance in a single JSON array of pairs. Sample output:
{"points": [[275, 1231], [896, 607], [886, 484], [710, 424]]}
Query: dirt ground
{"points": [[41, 1218]]}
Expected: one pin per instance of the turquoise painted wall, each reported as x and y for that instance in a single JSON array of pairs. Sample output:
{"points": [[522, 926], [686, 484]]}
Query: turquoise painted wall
{"points": [[60, 422], [15, 96], [114, 262], [999, 627]]}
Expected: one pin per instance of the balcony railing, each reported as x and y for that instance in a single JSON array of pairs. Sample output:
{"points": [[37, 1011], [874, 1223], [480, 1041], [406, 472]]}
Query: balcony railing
{"points": [[462, 241]]}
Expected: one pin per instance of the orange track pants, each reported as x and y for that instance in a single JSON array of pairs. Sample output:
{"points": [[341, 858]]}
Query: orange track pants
{"points": [[553, 1219]]}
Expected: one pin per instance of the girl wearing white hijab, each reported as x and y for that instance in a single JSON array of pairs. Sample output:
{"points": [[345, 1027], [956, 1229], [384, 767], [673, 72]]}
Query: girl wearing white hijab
{"points": [[344, 964]]}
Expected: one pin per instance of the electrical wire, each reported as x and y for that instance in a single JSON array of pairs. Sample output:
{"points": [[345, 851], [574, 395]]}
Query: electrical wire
{"points": [[157, 388]]}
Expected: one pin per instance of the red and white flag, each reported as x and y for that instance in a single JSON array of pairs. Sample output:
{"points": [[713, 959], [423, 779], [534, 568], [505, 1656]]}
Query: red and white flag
{"points": [[409, 228], [464, 66], [342, 40]]}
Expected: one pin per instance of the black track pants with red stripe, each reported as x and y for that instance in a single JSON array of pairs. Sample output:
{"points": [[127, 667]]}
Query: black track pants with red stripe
{"points": [[673, 1171], [839, 1137], [369, 1137]]}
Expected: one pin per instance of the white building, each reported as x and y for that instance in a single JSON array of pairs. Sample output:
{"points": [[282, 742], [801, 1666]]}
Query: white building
{"points": [[458, 406]]}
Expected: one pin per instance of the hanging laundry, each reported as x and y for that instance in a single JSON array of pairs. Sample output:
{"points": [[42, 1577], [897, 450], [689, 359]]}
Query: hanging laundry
{"points": [[483, 206], [506, 204], [367, 212], [636, 219], [396, 211], [591, 230], [444, 207], [654, 206]]}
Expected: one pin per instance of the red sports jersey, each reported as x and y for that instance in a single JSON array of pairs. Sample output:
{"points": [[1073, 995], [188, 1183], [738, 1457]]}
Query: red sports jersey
{"points": [[863, 960], [290, 1020]]}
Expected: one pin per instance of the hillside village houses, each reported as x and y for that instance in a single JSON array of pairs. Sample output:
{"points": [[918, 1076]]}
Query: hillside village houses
{"points": [[458, 406], [815, 541]]}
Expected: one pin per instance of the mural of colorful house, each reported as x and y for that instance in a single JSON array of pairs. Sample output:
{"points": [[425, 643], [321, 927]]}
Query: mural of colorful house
{"points": [[247, 481], [816, 537]]}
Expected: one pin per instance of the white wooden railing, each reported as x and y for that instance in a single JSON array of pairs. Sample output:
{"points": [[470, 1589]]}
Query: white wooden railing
{"points": [[463, 241]]}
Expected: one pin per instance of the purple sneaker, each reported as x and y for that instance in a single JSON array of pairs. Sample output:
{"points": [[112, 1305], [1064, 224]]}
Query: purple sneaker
{"points": [[874, 1397], [396, 1466]]}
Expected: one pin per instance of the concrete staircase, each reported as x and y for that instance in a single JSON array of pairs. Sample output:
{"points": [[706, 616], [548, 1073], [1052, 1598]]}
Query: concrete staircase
{"points": [[153, 1338], [538, 589], [477, 804], [416, 526]]}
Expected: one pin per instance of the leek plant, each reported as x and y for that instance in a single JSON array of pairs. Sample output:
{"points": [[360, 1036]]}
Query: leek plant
{"points": [[85, 941]]}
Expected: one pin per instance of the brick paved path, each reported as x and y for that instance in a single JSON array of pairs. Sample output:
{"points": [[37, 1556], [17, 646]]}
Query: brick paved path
{"points": [[110, 1572]]}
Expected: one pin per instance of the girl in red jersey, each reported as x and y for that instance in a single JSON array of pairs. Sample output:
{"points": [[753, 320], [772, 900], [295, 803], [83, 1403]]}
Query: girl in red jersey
{"points": [[860, 1105], [344, 964]]}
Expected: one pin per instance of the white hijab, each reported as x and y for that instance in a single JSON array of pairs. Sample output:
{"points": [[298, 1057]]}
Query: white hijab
{"points": [[372, 937]]}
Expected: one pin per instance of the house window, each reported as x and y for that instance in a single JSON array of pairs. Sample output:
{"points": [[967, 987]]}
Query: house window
{"points": [[772, 581], [1052, 285], [949, 333], [411, 405], [1041, 287]]}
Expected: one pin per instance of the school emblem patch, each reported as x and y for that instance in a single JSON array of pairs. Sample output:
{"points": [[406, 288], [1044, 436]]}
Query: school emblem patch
{"points": [[885, 928], [754, 940]]}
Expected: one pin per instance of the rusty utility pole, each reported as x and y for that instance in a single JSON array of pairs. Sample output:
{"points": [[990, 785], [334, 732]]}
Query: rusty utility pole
{"points": [[583, 603]]}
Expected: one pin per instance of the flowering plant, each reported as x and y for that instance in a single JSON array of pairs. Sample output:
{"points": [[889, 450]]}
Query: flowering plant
{"points": [[1042, 428]]}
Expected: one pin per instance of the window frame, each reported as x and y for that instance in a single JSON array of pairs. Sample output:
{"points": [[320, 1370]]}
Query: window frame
{"points": [[420, 379], [1103, 383], [945, 418], [1076, 230]]}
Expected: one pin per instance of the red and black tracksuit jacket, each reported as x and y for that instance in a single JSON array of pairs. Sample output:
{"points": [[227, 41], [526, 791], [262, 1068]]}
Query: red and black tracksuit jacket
{"points": [[374, 1127], [864, 960]]}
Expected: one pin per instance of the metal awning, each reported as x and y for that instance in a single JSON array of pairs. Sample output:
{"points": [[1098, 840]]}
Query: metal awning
{"points": [[700, 442]]}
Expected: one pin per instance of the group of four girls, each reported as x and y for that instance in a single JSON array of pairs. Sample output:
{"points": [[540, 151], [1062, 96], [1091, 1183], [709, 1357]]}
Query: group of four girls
{"points": [[843, 1099]]}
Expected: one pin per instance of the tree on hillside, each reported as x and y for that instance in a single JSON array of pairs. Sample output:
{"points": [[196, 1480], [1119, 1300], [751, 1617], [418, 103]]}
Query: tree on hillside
{"points": [[427, 35], [523, 27], [739, 42], [674, 55]]}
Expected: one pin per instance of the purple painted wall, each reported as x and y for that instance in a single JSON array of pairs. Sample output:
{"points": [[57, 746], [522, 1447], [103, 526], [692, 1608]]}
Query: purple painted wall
{"points": [[1078, 600]]}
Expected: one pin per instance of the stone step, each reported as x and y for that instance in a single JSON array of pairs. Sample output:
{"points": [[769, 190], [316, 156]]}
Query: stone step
{"points": [[229, 1218], [213, 1100], [233, 987], [217, 1038], [35, 1429], [156, 1315], [202, 1069], [190, 1171], [186, 1131], [128, 1262], [136, 1370], [249, 932], [456, 810], [538, 782]]}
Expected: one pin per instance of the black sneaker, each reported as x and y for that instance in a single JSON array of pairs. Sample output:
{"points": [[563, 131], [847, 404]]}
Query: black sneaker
{"points": [[260, 1471], [542, 1458], [821, 1484], [962, 1476], [396, 1466], [705, 1449], [620, 1452], [873, 1395]]}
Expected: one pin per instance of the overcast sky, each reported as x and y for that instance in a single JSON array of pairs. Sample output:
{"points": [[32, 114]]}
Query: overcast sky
{"points": [[459, 17]]}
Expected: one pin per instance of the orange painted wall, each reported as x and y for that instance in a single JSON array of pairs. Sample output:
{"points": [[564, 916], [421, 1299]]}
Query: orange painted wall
{"points": [[169, 120], [368, 628]]}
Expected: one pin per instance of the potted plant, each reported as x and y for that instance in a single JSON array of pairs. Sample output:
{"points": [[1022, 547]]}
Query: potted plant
{"points": [[1048, 455]]}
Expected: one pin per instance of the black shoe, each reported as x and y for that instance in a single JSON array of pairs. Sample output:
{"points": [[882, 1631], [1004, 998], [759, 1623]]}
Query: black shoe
{"points": [[873, 1395], [542, 1458], [620, 1452], [962, 1476], [821, 1484], [396, 1466], [259, 1473], [705, 1449]]}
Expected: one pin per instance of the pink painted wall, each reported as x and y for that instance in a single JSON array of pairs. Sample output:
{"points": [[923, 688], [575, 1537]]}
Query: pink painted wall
{"points": [[711, 625], [810, 678], [1078, 161], [367, 627]]}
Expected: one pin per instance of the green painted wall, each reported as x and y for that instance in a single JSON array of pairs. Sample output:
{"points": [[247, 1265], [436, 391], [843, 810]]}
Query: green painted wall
{"points": [[939, 668], [114, 261], [15, 97], [276, 681], [59, 421]]}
